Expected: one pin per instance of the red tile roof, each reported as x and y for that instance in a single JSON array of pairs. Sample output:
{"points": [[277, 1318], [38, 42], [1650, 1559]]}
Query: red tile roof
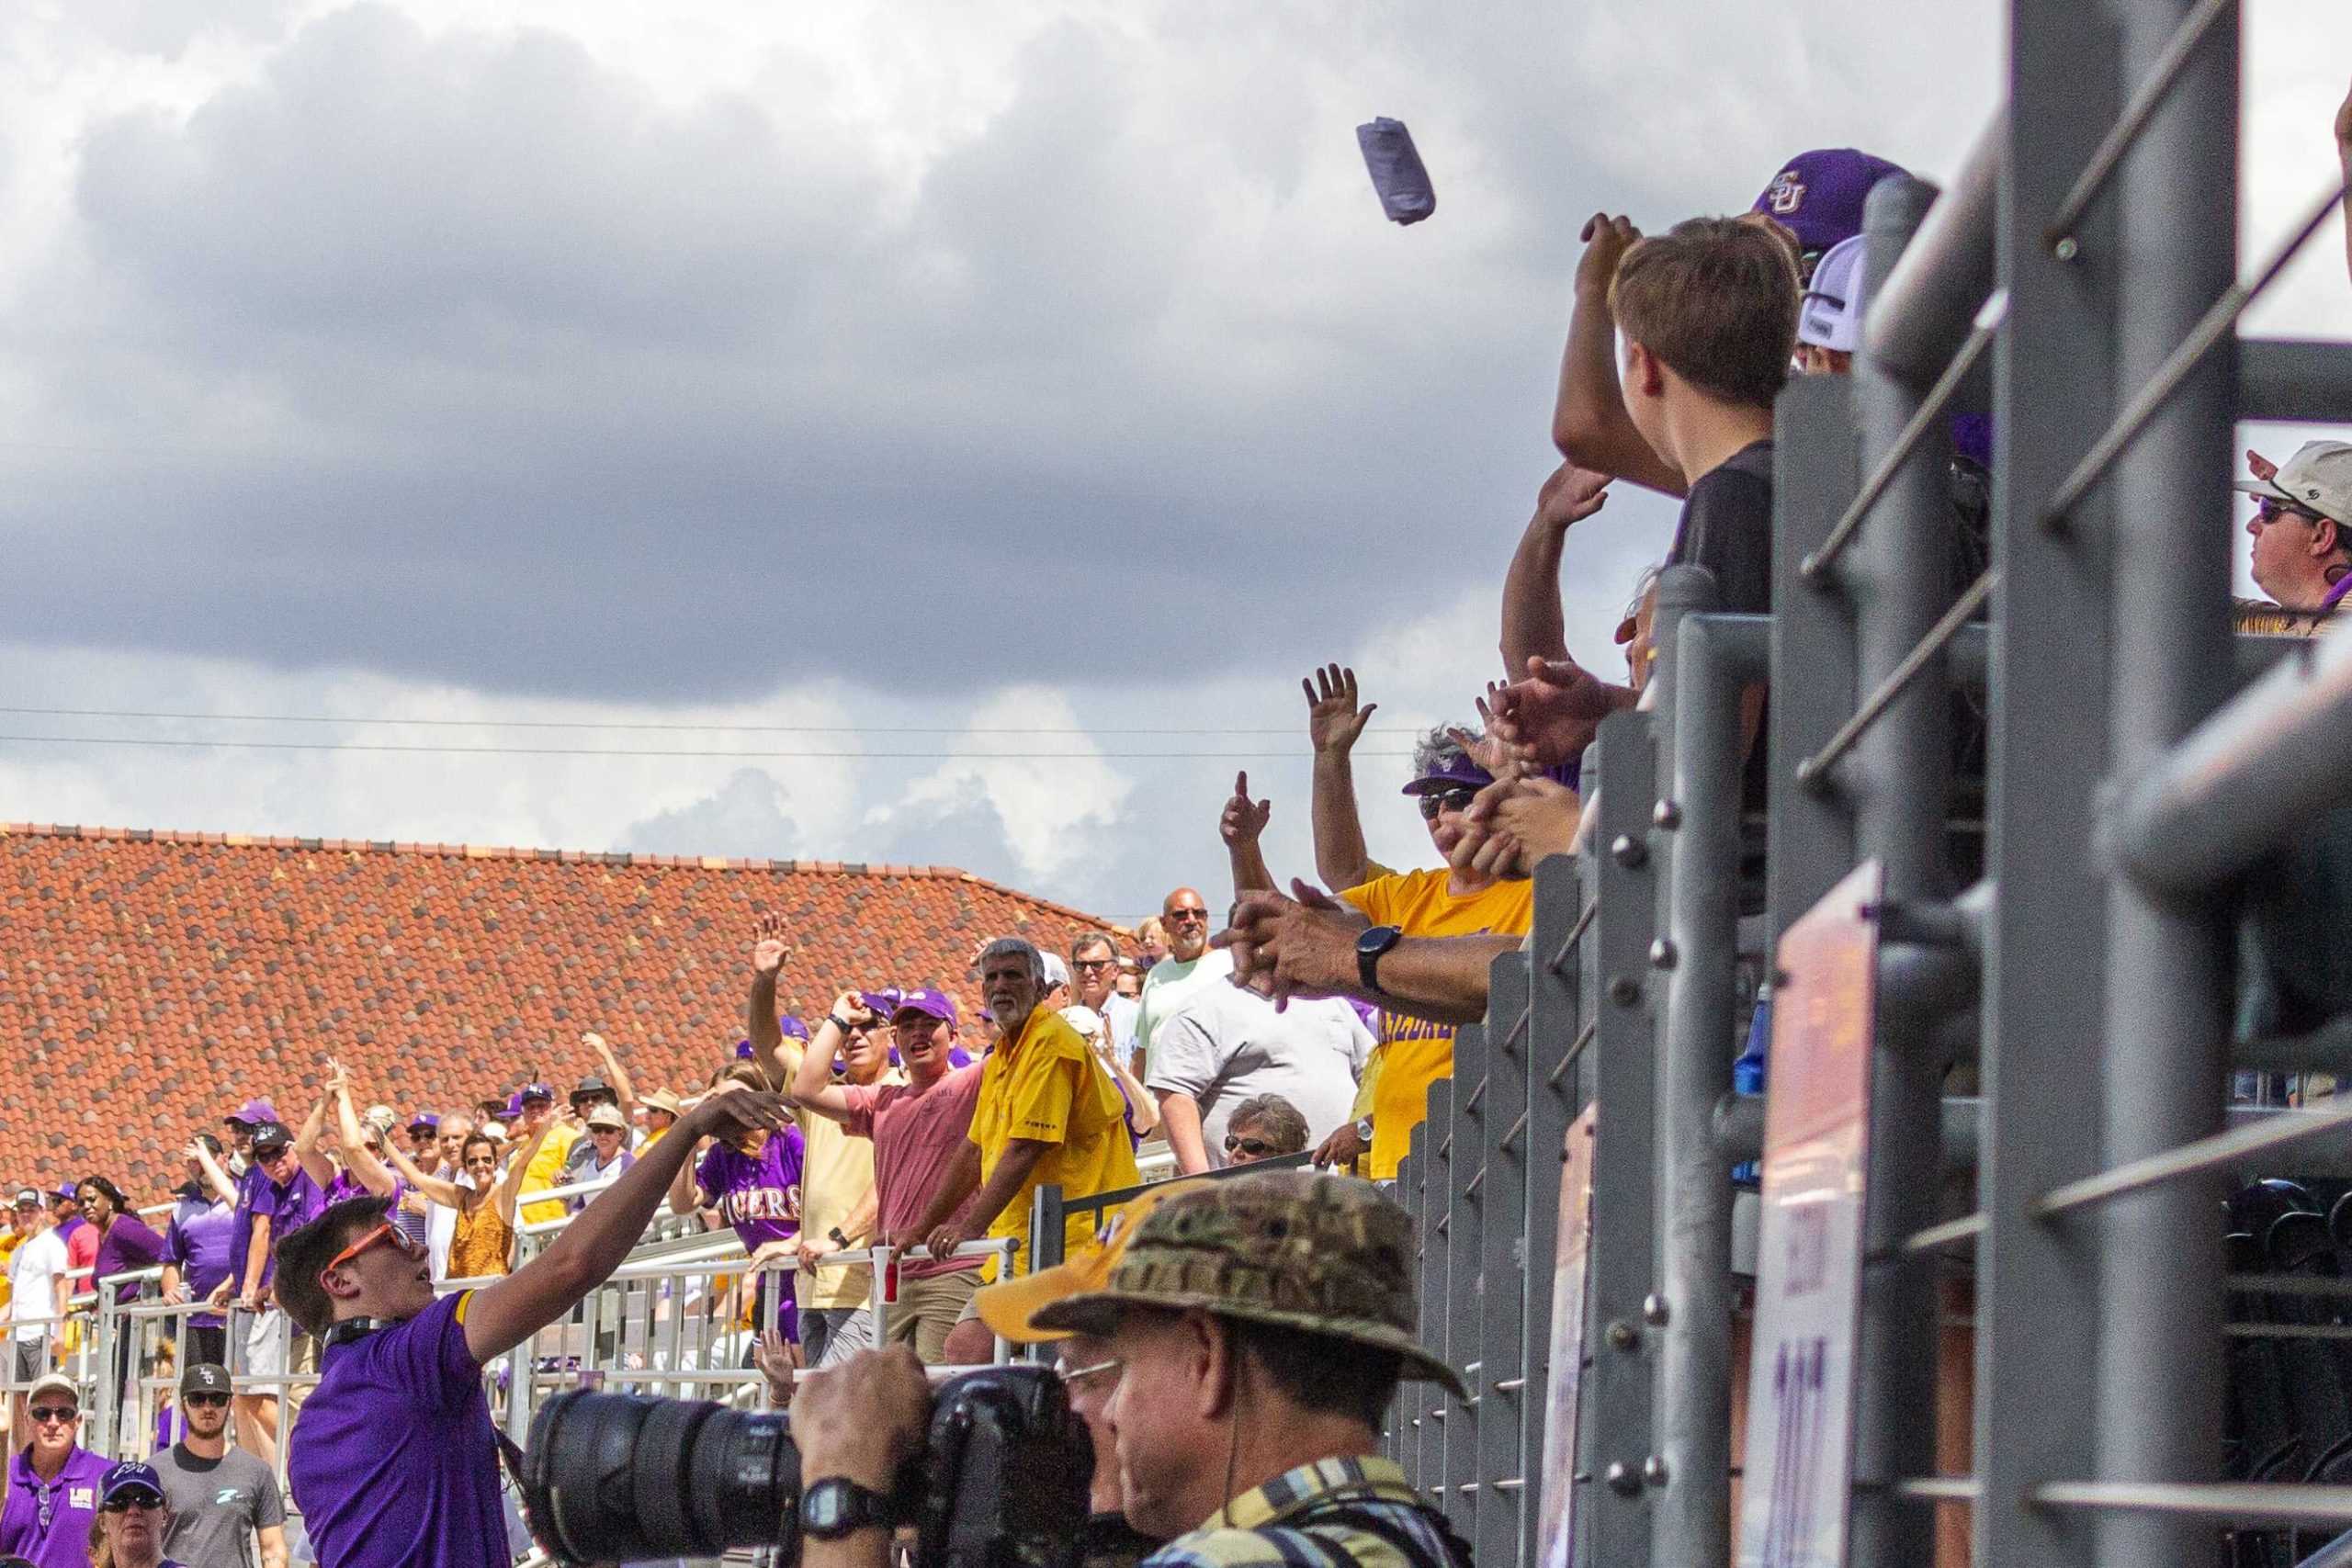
{"points": [[150, 981]]}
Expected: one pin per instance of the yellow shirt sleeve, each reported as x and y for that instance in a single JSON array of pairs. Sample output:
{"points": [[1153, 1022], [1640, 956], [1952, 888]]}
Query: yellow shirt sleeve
{"points": [[1369, 1083], [1373, 898]]}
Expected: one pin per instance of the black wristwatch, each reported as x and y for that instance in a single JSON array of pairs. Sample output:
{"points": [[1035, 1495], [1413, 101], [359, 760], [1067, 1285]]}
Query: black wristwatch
{"points": [[838, 1021], [838, 1506], [1370, 947], [838, 1239]]}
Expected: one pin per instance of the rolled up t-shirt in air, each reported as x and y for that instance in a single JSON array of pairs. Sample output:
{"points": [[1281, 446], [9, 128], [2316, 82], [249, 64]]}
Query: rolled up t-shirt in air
{"points": [[394, 1462]]}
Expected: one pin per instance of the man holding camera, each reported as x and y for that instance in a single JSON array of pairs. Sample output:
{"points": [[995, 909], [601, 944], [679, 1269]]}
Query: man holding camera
{"points": [[395, 1460], [1256, 1329]]}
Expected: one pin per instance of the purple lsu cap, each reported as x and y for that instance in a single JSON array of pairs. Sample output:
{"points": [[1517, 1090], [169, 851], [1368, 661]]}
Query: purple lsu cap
{"points": [[933, 1003], [515, 1105], [131, 1475], [791, 1028], [425, 1119], [1455, 772], [253, 1112], [1819, 194], [884, 1003], [534, 1091]]}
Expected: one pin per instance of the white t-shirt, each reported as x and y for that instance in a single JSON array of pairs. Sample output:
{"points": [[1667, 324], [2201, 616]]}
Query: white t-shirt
{"points": [[1119, 1014], [33, 1269], [1229, 1043], [1169, 986]]}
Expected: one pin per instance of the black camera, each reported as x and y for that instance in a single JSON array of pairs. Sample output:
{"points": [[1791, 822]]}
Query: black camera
{"points": [[1001, 1481]]}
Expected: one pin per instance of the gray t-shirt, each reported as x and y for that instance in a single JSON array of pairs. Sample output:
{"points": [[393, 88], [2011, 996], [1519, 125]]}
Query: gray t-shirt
{"points": [[217, 1504], [1229, 1043]]}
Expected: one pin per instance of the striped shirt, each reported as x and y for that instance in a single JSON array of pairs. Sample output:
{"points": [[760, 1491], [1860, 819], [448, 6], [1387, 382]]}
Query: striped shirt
{"points": [[1321, 1515]]}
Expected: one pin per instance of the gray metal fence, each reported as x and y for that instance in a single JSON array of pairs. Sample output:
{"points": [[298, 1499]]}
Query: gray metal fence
{"points": [[2048, 1118]]}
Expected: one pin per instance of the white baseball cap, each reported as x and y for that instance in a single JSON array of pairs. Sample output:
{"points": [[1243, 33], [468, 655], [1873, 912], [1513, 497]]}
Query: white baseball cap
{"points": [[2318, 477], [1085, 1019], [1830, 316], [1056, 972]]}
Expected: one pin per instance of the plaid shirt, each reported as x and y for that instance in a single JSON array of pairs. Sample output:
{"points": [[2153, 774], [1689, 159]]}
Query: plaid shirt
{"points": [[1286, 1523]]}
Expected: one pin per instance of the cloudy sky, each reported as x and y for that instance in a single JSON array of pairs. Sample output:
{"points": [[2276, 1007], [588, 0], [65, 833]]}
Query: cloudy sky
{"points": [[952, 429]]}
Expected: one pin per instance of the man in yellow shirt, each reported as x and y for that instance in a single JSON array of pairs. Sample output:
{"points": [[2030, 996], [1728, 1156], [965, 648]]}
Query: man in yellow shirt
{"points": [[1388, 908], [537, 1109], [1047, 1111]]}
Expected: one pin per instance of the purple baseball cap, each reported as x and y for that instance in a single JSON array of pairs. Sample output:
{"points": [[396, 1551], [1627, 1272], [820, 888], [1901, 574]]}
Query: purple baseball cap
{"points": [[425, 1119], [1455, 770], [884, 1003], [253, 1112], [933, 1003], [1819, 194], [791, 1028], [534, 1091]]}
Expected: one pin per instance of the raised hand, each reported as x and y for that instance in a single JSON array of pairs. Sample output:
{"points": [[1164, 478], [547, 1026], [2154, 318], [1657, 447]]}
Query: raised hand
{"points": [[1606, 240], [1333, 720], [768, 947], [1551, 714], [1244, 819], [732, 1108], [849, 1008], [772, 1354], [1571, 495]]}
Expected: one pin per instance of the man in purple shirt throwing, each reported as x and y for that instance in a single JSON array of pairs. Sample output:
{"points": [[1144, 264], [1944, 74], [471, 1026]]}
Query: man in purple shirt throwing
{"points": [[752, 1178], [394, 1463], [52, 1482]]}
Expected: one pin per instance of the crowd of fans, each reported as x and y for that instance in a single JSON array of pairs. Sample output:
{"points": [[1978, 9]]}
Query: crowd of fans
{"points": [[1311, 1024]]}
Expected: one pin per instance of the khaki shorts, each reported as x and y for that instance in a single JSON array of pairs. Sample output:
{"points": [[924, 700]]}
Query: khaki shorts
{"points": [[929, 1307], [268, 1337]]}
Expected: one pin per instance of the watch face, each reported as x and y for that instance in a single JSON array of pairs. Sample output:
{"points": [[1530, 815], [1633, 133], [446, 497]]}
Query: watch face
{"points": [[825, 1508]]}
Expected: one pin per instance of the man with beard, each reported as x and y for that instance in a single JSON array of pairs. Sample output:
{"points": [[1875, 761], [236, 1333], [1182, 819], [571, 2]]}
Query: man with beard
{"points": [[224, 1502]]}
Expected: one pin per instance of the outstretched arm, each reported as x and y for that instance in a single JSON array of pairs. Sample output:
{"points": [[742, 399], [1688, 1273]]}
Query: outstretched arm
{"points": [[1242, 824], [306, 1142], [438, 1189], [372, 1172], [812, 1081], [1589, 425], [215, 1177], [509, 1185], [1532, 626], [585, 1254], [768, 954], [615, 1074], [1333, 724]]}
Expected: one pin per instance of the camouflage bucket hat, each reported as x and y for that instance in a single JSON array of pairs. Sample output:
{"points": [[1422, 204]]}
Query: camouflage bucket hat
{"points": [[1325, 1254]]}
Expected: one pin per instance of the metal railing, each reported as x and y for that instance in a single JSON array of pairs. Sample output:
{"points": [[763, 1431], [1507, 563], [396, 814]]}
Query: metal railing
{"points": [[2038, 1356]]}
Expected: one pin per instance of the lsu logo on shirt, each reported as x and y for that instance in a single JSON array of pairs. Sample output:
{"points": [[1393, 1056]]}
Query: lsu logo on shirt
{"points": [[81, 1496]]}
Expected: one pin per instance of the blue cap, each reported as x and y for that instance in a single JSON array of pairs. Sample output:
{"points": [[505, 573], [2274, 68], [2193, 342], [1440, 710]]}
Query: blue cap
{"points": [[127, 1475], [534, 1091], [1453, 771]]}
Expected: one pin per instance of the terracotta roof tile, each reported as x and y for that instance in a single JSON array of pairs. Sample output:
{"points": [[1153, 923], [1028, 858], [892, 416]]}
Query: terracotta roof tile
{"points": [[150, 979]]}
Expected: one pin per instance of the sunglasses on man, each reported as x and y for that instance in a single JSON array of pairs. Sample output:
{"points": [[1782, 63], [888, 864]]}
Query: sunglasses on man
{"points": [[205, 1401], [54, 1415], [383, 1234], [1186, 916], [1438, 802], [1256, 1149], [2267, 510]]}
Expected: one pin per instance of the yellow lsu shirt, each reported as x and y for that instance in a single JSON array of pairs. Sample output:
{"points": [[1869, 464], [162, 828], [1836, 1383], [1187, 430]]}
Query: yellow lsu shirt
{"points": [[1046, 1086], [1414, 1052], [545, 1168]]}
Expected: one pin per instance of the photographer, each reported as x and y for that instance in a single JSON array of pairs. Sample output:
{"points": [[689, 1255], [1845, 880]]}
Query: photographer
{"points": [[395, 1460], [1258, 1329]]}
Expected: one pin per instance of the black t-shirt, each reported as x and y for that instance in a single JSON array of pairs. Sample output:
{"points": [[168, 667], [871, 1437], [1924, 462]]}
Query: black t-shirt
{"points": [[1727, 527]]}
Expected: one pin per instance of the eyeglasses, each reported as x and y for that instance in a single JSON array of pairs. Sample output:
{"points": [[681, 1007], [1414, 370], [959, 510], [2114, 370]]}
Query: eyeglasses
{"points": [[387, 1231], [1090, 964], [1440, 801], [2267, 512], [55, 1415], [123, 1502], [1200, 915], [205, 1401], [1256, 1149], [1070, 1374]]}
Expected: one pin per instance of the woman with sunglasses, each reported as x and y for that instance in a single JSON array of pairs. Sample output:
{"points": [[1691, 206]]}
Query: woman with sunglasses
{"points": [[481, 1245], [134, 1517]]}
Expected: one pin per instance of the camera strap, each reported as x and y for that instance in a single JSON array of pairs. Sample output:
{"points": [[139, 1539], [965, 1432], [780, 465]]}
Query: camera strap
{"points": [[1354, 1516]]}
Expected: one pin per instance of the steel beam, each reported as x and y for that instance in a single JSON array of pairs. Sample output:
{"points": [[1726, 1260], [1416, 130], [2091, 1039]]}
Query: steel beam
{"points": [[1922, 312], [1504, 1195]]}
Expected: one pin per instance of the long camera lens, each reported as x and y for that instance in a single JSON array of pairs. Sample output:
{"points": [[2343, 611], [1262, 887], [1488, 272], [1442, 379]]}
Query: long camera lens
{"points": [[621, 1477]]}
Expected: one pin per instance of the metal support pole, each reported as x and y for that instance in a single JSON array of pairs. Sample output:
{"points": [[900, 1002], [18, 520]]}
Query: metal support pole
{"points": [[1816, 473], [1898, 574], [1504, 1195], [2158, 1413], [1921, 312], [1716, 660], [1462, 1140], [2298, 381], [2036, 1297], [1614, 1507]]}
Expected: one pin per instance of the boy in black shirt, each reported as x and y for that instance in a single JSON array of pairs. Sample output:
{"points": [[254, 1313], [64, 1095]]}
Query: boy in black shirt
{"points": [[1709, 315]]}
